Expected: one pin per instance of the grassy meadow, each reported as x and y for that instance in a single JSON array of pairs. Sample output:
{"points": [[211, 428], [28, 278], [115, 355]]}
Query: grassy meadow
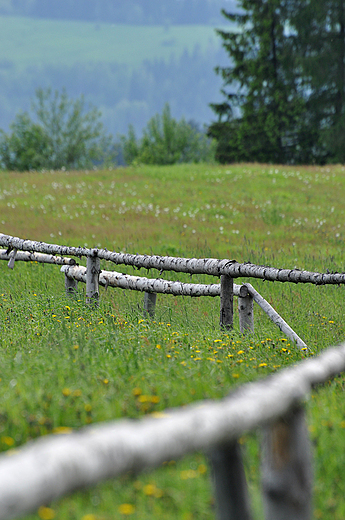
{"points": [[65, 365]]}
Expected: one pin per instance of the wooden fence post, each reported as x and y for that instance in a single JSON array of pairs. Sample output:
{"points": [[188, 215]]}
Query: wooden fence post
{"points": [[150, 304], [226, 302], [71, 285], [246, 313], [92, 279], [287, 468], [232, 497]]}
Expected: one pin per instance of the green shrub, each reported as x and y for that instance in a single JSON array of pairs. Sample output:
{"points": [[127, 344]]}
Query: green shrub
{"points": [[167, 141], [64, 134]]}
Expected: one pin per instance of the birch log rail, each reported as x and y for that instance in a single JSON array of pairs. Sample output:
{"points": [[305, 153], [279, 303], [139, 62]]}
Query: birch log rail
{"points": [[48, 468], [210, 266]]}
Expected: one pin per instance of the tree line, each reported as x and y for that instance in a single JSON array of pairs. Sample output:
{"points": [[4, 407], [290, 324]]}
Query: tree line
{"points": [[284, 86], [148, 12]]}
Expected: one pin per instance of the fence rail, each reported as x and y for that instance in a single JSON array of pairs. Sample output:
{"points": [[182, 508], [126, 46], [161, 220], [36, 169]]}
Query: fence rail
{"points": [[227, 270], [48, 468], [210, 266]]}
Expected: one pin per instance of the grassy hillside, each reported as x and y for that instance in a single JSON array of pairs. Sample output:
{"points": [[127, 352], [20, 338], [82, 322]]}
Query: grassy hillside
{"points": [[30, 42], [64, 365]]}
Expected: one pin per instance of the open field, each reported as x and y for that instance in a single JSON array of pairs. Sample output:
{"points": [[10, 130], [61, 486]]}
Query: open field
{"points": [[64, 365], [29, 42]]}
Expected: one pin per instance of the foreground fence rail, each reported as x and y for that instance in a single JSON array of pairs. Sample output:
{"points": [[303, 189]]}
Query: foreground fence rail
{"points": [[50, 467]]}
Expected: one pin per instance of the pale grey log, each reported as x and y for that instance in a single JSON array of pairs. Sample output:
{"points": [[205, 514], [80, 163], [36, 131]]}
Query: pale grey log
{"points": [[287, 468], [13, 255], [209, 266], [25, 256], [52, 466], [92, 279], [150, 304], [71, 285], [152, 285], [246, 313], [226, 302], [231, 490], [275, 317]]}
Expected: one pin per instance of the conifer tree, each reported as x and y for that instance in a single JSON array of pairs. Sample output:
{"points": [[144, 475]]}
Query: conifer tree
{"points": [[319, 43], [261, 117]]}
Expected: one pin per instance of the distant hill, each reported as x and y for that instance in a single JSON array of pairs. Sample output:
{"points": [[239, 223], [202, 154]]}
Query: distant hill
{"points": [[128, 72], [137, 12]]}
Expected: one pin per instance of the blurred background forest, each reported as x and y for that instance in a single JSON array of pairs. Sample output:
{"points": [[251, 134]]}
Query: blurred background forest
{"points": [[128, 58]]}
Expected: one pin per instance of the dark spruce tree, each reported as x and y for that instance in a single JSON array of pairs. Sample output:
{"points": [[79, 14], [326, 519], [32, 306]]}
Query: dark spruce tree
{"points": [[318, 28], [261, 118]]}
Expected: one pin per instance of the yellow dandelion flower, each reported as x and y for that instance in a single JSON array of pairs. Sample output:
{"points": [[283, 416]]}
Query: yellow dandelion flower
{"points": [[62, 430], [46, 513], [126, 509], [158, 346], [66, 392], [149, 489], [136, 391], [88, 408], [88, 517], [7, 440], [240, 352], [236, 376], [263, 365]]}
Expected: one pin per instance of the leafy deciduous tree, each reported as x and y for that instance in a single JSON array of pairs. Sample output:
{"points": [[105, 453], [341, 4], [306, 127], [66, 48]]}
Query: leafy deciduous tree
{"points": [[167, 141], [64, 134]]}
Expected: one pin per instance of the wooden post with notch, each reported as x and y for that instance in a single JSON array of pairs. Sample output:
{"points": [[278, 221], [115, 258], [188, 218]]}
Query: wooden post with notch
{"points": [[92, 279], [287, 468], [231, 491], [246, 310], [226, 302]]}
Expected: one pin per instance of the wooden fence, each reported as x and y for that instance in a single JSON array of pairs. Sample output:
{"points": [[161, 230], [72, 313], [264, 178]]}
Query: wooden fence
{"points": [[226, 270], [52, 466]]}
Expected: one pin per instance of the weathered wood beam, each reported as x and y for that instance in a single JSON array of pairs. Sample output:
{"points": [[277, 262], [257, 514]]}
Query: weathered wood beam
{"points": [[25, 256], [151, 285], [209, 266], [226, 319], [150, 304], [92, 279], [287, 468], [275, 317], [246, 313], [52, 466], [230, 484]]}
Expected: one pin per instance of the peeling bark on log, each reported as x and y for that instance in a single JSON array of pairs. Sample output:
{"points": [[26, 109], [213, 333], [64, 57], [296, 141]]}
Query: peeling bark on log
{"points": [[25, 256], [275, 317], [50, 467], [151, 285], [150, 304], [287, 468], [246, 313], [232, 497], [209, 266], [92, 279], [226, 302]]}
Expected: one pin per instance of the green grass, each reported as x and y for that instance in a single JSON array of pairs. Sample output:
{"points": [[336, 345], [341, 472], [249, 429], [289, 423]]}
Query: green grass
{"points": [[66, 365], [31, 42]]}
